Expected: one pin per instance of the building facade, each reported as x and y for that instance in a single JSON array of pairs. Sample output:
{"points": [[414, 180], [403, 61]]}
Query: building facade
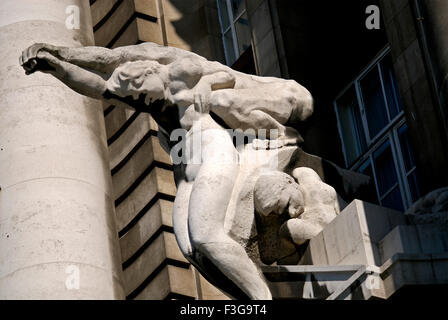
{"points": [[380, 109]]}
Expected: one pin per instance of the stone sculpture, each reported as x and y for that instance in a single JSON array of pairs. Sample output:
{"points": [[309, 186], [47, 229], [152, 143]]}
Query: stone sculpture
{"points": [[214, 210], [311, 203], [181, 89], [432, 208]]}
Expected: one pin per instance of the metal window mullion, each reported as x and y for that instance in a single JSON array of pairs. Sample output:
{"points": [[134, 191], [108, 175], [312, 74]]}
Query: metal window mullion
{"points": [[336, 109], [383, 89], [404, 174], [223, 32], [362, 111], [388, 192], [240, 15], [371, 152], [399, 167], [372, 163], [411, 171], [232, 26], [235, 42]]}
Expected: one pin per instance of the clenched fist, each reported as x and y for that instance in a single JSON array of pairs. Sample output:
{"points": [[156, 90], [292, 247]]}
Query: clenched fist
{"points": [[37, 58]]}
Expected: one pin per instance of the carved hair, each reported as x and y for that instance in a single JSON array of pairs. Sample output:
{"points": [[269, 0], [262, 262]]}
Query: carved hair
{"points": [[129, 78], [269, 189]]}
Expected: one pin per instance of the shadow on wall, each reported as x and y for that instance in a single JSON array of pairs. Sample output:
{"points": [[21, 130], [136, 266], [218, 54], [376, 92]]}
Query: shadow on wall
{"points": [[194, 25]]}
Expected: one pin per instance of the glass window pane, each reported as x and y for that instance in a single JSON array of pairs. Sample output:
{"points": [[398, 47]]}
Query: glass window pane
{"points": [[243, 33], [386, 175], [374, 102], [406, 151], [230, 49], [351, 125], [238, 6], [224, 14], [414, 186], [393, 200], [391, 87], [366, 168]]}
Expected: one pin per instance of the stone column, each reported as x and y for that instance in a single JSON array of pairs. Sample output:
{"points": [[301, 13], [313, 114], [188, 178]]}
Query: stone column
{"points": [[57, 223], [435, 20]]}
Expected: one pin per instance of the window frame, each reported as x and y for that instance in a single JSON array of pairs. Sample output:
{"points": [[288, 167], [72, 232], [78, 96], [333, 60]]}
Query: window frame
{"points": [[231, 27], [388, 133]]}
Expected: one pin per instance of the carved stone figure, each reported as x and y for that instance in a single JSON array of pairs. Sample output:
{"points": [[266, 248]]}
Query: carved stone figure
{"points": [[310, 203], [432, 208], [183, 90]]}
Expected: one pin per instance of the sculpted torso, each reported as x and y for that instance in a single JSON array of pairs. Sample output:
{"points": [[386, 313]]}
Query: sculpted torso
{"points": [[183, 90]]}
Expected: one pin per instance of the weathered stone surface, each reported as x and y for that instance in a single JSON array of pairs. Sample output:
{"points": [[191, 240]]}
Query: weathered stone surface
{"points": [[432, 208], [56, 206]]}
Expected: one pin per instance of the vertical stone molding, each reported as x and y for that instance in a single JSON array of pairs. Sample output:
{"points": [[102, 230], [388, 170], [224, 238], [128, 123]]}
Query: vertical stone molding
{"points": [[435, 19], [58, 235]]}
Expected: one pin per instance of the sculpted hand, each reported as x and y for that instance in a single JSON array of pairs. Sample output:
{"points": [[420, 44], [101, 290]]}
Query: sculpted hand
{"points": [[36, 58]]}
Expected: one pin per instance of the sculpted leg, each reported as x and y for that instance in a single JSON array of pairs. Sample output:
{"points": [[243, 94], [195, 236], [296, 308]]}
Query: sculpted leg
{"points": [[180, 217], [209, 199]]}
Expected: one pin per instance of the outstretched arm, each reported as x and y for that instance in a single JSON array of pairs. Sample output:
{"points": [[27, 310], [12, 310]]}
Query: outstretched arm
{"points": [[80, 80], [99, 59]]}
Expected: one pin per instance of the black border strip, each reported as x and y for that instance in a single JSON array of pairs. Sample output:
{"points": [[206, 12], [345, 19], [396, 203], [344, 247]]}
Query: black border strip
{"points": [[123, 128], [154, 274], [144, 210], [146, 244], [177, 296]]}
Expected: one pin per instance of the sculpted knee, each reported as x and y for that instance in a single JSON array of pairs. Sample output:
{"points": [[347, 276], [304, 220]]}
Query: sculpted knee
{"points": [[199, 238], [301, 100]]}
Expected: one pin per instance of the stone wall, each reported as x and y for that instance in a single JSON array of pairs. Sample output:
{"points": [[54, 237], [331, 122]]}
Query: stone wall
{"points": [[423, 118]]}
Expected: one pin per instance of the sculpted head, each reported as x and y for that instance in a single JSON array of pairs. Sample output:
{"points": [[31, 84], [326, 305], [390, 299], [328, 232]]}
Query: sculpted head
{"points": [[140, 77], [276, 192]]}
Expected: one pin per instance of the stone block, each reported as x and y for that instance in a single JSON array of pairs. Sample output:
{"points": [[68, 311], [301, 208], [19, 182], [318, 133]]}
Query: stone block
{"points": [[144, 229], [133, 168], [158, 288], [129, 139], [149, 31], [149, 152], [148, 7], [207, 290], [182, 281], [400, 240], [253, 5], [115, 119], [401, 30], [352, 238], [163, 247], [116, 21], [260, 22], [390, 8], [440, 266], [100, 8], [266, 55], [144, 265], [129, 36], [318, 252], [158, 180], [409, 66]]}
